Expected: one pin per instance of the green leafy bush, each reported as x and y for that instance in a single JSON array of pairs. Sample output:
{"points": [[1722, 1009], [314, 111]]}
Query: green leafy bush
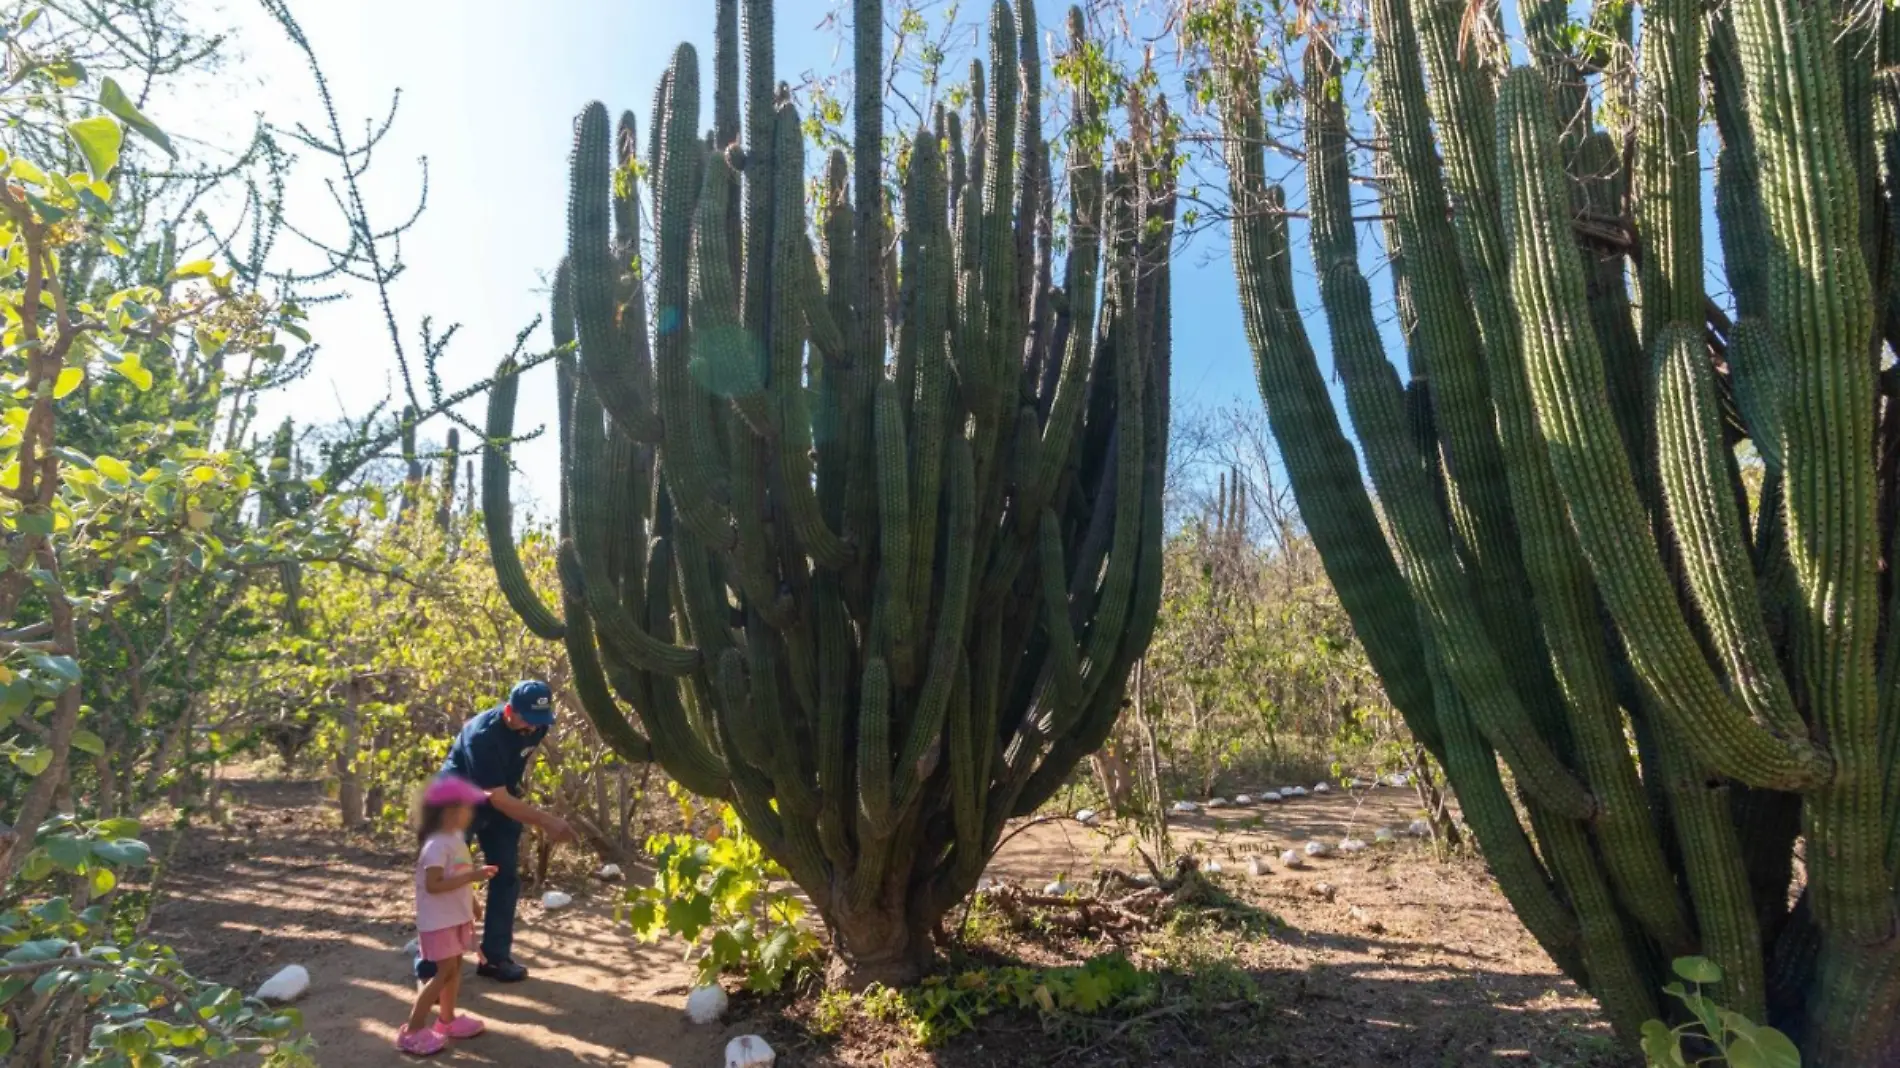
{"points": [[733, 905], [63, 959], [944, 1006], [1736, 1040]]}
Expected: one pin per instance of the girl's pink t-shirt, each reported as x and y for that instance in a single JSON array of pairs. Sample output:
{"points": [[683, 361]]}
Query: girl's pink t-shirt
{"points": [[456, 907]]}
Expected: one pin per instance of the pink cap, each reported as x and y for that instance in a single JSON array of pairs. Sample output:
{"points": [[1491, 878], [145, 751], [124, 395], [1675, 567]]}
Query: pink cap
{"points": [[453, 790]]}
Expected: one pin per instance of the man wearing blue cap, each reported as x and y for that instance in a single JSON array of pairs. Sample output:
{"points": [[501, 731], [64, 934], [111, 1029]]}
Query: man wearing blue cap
{"points": [[493, 751]]}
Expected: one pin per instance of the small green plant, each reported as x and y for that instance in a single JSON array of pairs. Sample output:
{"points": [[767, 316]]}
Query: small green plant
{"points": [[728, 901], [944, 1006], [1735, 1040]]}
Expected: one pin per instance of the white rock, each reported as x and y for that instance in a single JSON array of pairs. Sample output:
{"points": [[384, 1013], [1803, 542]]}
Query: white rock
{"points": [[1352, 845], [1182, 808], [1398, 780], [1317, 848], [1353, 784], [1271, 796], [706, 1004], [1419, 829], [1322, 788], [412, 947], [608, 871], [554, 899], [1062, 887], [286, 986], [1243, 799], [1145, 879], [1212, 867], [1257, 867], [749, 1051], [1292, 859], [1384, 836], [1216, 802], [1294, 791], [1086, 817]]}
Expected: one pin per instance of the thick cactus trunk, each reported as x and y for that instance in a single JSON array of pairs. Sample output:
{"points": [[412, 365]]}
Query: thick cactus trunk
{"points": [[882, 599], [1576, 512]]}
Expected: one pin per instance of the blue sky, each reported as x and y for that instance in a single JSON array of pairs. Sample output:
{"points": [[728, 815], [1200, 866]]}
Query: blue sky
{"points": [[488, 93]]}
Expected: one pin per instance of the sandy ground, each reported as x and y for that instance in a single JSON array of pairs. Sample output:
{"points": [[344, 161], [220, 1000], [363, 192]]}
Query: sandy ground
{"points": [[1405, 961]]}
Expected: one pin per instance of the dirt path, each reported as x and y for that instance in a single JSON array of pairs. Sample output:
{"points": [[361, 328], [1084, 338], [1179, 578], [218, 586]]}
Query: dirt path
{"points": [[279, 886], [1403, 961]]}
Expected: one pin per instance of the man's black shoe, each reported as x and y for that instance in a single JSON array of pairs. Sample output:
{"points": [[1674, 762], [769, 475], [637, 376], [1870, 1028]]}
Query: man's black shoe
{"points": [[505, 971]]}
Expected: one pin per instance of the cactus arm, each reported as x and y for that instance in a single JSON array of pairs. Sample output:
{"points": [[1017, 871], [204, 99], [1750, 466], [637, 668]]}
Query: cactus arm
{"points": [[893, 487], [678, 749], [725, 361], [595, 698], [498, 514], [603, 357], [1822, 310], [1423, 544], [1321, 464], [1692, 455], [874, 746], [1063, 660], [1493, 819], [787, 345], [924, 736], [1716, 877], [1587, 455], [592, 533]]}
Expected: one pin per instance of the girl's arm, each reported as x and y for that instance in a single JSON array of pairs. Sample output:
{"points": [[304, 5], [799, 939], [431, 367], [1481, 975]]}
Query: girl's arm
{"points": [[435, 882]]}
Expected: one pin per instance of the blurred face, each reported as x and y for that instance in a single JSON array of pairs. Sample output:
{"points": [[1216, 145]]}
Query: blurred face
{"points": [[456, 818], [515, 723]]}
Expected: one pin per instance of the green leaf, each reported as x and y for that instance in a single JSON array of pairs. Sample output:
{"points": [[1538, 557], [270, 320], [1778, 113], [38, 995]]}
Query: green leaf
{"points": [[102, 881], [122, 827], [123, 852], [113, 99], [36, 522], [194, 269], [36, 951], [69, 380], [134, 371], [33, 761], [1697, 969], [6, 1040], [68, 852], [99, 140], [1764, 1047], [113, 468], [687, 916], [89, 743]]}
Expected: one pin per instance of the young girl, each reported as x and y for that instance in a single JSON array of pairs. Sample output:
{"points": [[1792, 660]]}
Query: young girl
{"points": [[445, 911]]}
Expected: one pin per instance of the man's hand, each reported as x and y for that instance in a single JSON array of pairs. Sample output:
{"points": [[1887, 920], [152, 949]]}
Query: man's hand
{"points": [[557, 829]]}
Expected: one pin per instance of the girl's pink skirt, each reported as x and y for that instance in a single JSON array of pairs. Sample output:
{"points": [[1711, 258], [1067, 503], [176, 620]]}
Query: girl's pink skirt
{"points": [[448, 942]]}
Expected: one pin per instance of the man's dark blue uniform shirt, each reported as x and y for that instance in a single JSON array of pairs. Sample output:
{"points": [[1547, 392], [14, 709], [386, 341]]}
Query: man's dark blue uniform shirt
{"points": [[490, 755]]}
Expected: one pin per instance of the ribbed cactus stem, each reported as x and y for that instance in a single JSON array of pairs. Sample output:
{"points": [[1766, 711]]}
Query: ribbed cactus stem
{"points": [[498, 512], [1590, 464]]}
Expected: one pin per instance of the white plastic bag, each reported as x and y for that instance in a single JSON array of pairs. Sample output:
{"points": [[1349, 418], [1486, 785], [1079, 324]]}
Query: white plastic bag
{"points": [[554, 899]]}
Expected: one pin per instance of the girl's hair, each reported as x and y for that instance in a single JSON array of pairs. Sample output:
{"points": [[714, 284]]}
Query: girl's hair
{"points": [[429, 820]]}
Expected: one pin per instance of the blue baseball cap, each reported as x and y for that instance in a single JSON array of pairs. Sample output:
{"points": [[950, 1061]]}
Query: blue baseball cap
{"points": [[533, 702]]}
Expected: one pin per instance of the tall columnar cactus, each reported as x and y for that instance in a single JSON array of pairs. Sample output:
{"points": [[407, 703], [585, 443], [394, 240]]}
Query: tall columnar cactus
{"points": [[861, 520], [1680, 674]]}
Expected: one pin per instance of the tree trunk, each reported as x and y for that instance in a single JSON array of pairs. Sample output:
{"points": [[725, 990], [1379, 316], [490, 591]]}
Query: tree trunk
{"points": [[888, 944], [349, 791]]}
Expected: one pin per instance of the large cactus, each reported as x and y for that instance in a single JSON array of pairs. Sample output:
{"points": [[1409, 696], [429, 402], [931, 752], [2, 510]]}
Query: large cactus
{"points": [[1682, 679], [867, 536]]}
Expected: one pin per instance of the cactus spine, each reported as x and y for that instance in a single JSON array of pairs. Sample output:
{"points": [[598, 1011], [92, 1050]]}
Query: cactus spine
{"points": [[880, 598], [1568, 556]]}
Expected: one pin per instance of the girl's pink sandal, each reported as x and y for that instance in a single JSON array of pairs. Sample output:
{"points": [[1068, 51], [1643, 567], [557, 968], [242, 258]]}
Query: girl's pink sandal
{"points": [[463, 1026], [419, 1043]]}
